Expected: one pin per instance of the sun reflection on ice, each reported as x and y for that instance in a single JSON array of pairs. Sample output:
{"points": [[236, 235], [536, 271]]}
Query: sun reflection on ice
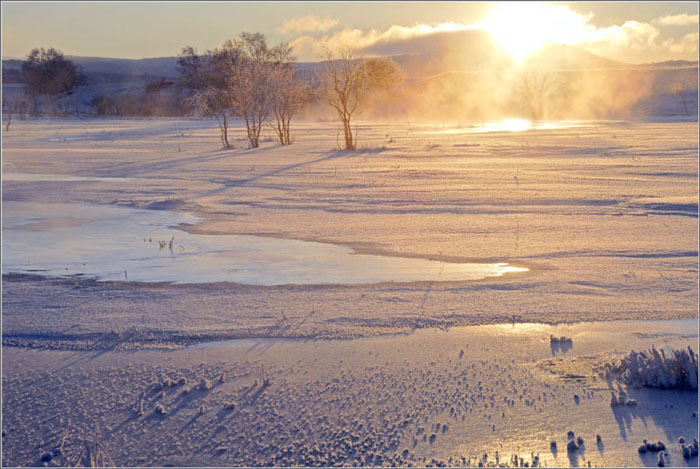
{"points": [[509, 125], [504, 268]]}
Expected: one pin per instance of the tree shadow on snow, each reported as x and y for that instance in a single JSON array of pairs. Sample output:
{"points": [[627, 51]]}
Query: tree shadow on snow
{"points": [[282, 169]]}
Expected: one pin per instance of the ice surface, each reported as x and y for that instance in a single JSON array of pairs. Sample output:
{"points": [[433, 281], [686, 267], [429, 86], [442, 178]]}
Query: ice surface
{"points": [[117, 243]]}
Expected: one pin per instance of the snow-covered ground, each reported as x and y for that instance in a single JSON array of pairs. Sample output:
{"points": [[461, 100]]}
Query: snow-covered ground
{"points": [[603, 214], [443, 395]]}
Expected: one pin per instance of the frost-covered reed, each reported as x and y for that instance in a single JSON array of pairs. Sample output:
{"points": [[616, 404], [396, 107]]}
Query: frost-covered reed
{"points": [[657, 369]]}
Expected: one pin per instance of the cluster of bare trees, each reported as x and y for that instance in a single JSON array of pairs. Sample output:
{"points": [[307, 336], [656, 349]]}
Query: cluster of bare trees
{"points": [[246, 78], [249, 79]]}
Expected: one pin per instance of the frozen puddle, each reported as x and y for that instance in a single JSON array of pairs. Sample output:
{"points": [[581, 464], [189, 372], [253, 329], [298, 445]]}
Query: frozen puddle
{"points": [[117, 244]]}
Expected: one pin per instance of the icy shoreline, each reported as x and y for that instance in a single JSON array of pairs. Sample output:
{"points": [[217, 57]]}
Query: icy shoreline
{"points": [[89, 315]]}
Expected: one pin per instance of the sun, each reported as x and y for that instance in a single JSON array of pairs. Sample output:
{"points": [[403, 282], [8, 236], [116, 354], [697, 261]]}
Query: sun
{"points": [[522, 29]]}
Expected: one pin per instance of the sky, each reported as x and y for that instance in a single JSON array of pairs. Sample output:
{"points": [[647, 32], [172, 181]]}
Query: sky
{"points": [[631, 32]]}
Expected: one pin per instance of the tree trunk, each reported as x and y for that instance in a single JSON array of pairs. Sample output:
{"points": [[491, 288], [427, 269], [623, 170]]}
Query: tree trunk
{"points": [[287, 133], [349, 145], [251, 135], [35, 105], [685, 106], [279, 128], [225, 132]]}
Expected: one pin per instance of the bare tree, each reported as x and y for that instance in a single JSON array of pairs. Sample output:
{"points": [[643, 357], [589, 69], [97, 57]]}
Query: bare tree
{"points": [[248, 79], [8, 107], [193, 76], [13, 105], [204, 77], [287, 94], [48, 73], [192, 69], [688, 86], [247, 65], [383, 74], [533, 90], [213, 102], [288, 97], [346, 78], [344, 83]]}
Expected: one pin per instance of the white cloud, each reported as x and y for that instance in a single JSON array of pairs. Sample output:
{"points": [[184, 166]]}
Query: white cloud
{"points": [[685, 46], [357, 38], [635, 42], [631, 41], [308, 24], [631, 34], [677, 20]]}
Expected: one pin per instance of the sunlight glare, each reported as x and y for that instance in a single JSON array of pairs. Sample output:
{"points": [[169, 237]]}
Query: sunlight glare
{"points": [[523, 28], [504, 268], [508, 125]]}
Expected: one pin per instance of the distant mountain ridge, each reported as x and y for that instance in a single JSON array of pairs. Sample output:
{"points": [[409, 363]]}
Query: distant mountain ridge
{"points": [[555, 56], [458, 71], [673, 64]]}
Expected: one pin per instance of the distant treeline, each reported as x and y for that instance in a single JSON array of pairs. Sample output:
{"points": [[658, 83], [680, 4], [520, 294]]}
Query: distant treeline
{"points": [[244, 77]]}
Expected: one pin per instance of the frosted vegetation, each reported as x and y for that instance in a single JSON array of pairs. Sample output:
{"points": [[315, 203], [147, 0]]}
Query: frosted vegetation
{"points": [[677, 369]]}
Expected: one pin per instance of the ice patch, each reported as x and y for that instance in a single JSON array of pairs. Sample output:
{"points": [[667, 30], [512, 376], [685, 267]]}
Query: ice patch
{"points": [[123, 244]]}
